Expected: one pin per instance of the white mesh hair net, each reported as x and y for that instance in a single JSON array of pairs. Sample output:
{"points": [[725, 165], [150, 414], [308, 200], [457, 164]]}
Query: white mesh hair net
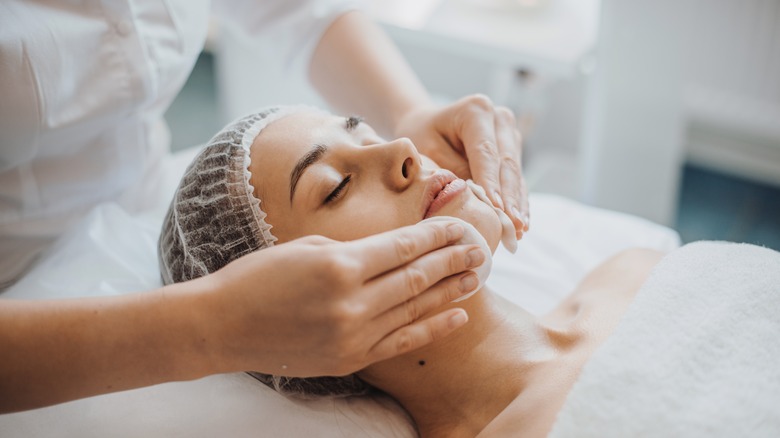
{"points": [[214, 218]]}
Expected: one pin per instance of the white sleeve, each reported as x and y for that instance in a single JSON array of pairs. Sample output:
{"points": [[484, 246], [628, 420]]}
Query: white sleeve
{"points": [[295, 26]]}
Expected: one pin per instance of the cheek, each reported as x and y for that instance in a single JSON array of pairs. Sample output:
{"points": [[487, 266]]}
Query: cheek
{"points": [[358, 215]]}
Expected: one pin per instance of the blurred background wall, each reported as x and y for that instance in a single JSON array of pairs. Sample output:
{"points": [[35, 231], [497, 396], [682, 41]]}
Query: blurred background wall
{"points": [[668, 110]]}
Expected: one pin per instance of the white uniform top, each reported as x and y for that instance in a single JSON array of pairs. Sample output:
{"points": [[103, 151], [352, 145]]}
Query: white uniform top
{"points": [[83, 89]]}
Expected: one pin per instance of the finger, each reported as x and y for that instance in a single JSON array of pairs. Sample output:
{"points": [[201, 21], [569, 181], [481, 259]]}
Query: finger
{"points": [[525, 215], [419, 334], [477, 131], [443, 292], [510, 149], [524, 209], [400, 286], [510, 191], [389, 250]]}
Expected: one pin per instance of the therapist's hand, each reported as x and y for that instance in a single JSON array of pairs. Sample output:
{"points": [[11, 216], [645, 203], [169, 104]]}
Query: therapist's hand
{"points": [[315, 306], [309, 307], [358, 69], [474, 139]]}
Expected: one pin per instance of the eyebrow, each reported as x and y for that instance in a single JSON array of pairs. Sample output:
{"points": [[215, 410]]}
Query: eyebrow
{"points": [[315, 154], [352, 122], [311, 157]]}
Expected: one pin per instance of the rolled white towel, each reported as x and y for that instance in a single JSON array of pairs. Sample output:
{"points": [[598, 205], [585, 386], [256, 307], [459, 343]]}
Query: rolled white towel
{"points": [[697, 353]]}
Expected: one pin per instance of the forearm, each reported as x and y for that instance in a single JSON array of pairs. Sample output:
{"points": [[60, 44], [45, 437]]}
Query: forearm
{"points": [[359, 70], [61, 350]]}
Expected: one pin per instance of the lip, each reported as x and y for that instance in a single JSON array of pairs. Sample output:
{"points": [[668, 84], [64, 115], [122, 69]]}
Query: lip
{"points": [[440, 188]]}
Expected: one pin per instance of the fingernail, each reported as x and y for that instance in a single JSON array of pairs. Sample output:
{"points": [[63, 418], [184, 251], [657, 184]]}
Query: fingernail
{"points": [[455, 232], [468, 283], [497, 200], [458, 319], [517, 215], [527, 221], [474, 258]]}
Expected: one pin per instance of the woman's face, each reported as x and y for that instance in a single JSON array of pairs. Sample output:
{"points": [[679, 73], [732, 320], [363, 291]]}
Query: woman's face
{"points": [[333, 176]]}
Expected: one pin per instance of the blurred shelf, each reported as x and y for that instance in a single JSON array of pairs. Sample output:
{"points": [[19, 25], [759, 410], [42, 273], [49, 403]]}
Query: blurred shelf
{"points": [[555, 172], [734, 133], [555, 37]]}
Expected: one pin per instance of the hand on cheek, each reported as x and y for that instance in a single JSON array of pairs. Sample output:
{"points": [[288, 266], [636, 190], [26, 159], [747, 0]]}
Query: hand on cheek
{"points": [[476, 140], [314, 306]]}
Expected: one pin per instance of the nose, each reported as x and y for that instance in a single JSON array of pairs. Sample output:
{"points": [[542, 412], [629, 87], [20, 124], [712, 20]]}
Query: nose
{"points": [[399, 163]]}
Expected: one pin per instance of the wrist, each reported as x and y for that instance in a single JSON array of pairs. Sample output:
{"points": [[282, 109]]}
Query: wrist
{"points": [[190, 311], [406, 113]]}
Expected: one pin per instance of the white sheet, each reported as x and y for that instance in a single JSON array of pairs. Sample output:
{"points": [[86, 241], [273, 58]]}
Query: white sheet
{"points": [[698, 352], [114, 252]]}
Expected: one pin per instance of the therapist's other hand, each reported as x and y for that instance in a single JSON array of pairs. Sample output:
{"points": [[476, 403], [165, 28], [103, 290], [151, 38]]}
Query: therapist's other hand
{"points": [[475, 139], [315, 306]]}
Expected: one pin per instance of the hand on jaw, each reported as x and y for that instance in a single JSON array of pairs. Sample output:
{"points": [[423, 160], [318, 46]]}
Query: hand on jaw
{"points": [[475, 139], [335, 307], [359, 70]]}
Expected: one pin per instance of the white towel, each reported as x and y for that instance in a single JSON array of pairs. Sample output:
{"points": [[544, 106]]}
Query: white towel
{"points": [[697, 353]]}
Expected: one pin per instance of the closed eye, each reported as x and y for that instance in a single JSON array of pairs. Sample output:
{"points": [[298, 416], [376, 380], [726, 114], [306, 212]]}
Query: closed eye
{"points": [[338, 191]]}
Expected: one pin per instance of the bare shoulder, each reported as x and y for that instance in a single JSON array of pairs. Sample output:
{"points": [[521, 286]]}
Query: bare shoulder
{"points": [[636, 256], [593, 308], [630, 266], [616, 280]]}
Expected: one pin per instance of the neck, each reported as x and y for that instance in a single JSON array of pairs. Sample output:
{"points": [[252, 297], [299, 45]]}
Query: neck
{"points": [[459, 384]]}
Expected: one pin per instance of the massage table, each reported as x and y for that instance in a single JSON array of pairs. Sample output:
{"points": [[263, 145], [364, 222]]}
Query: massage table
{"points": [[113, 251]]}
